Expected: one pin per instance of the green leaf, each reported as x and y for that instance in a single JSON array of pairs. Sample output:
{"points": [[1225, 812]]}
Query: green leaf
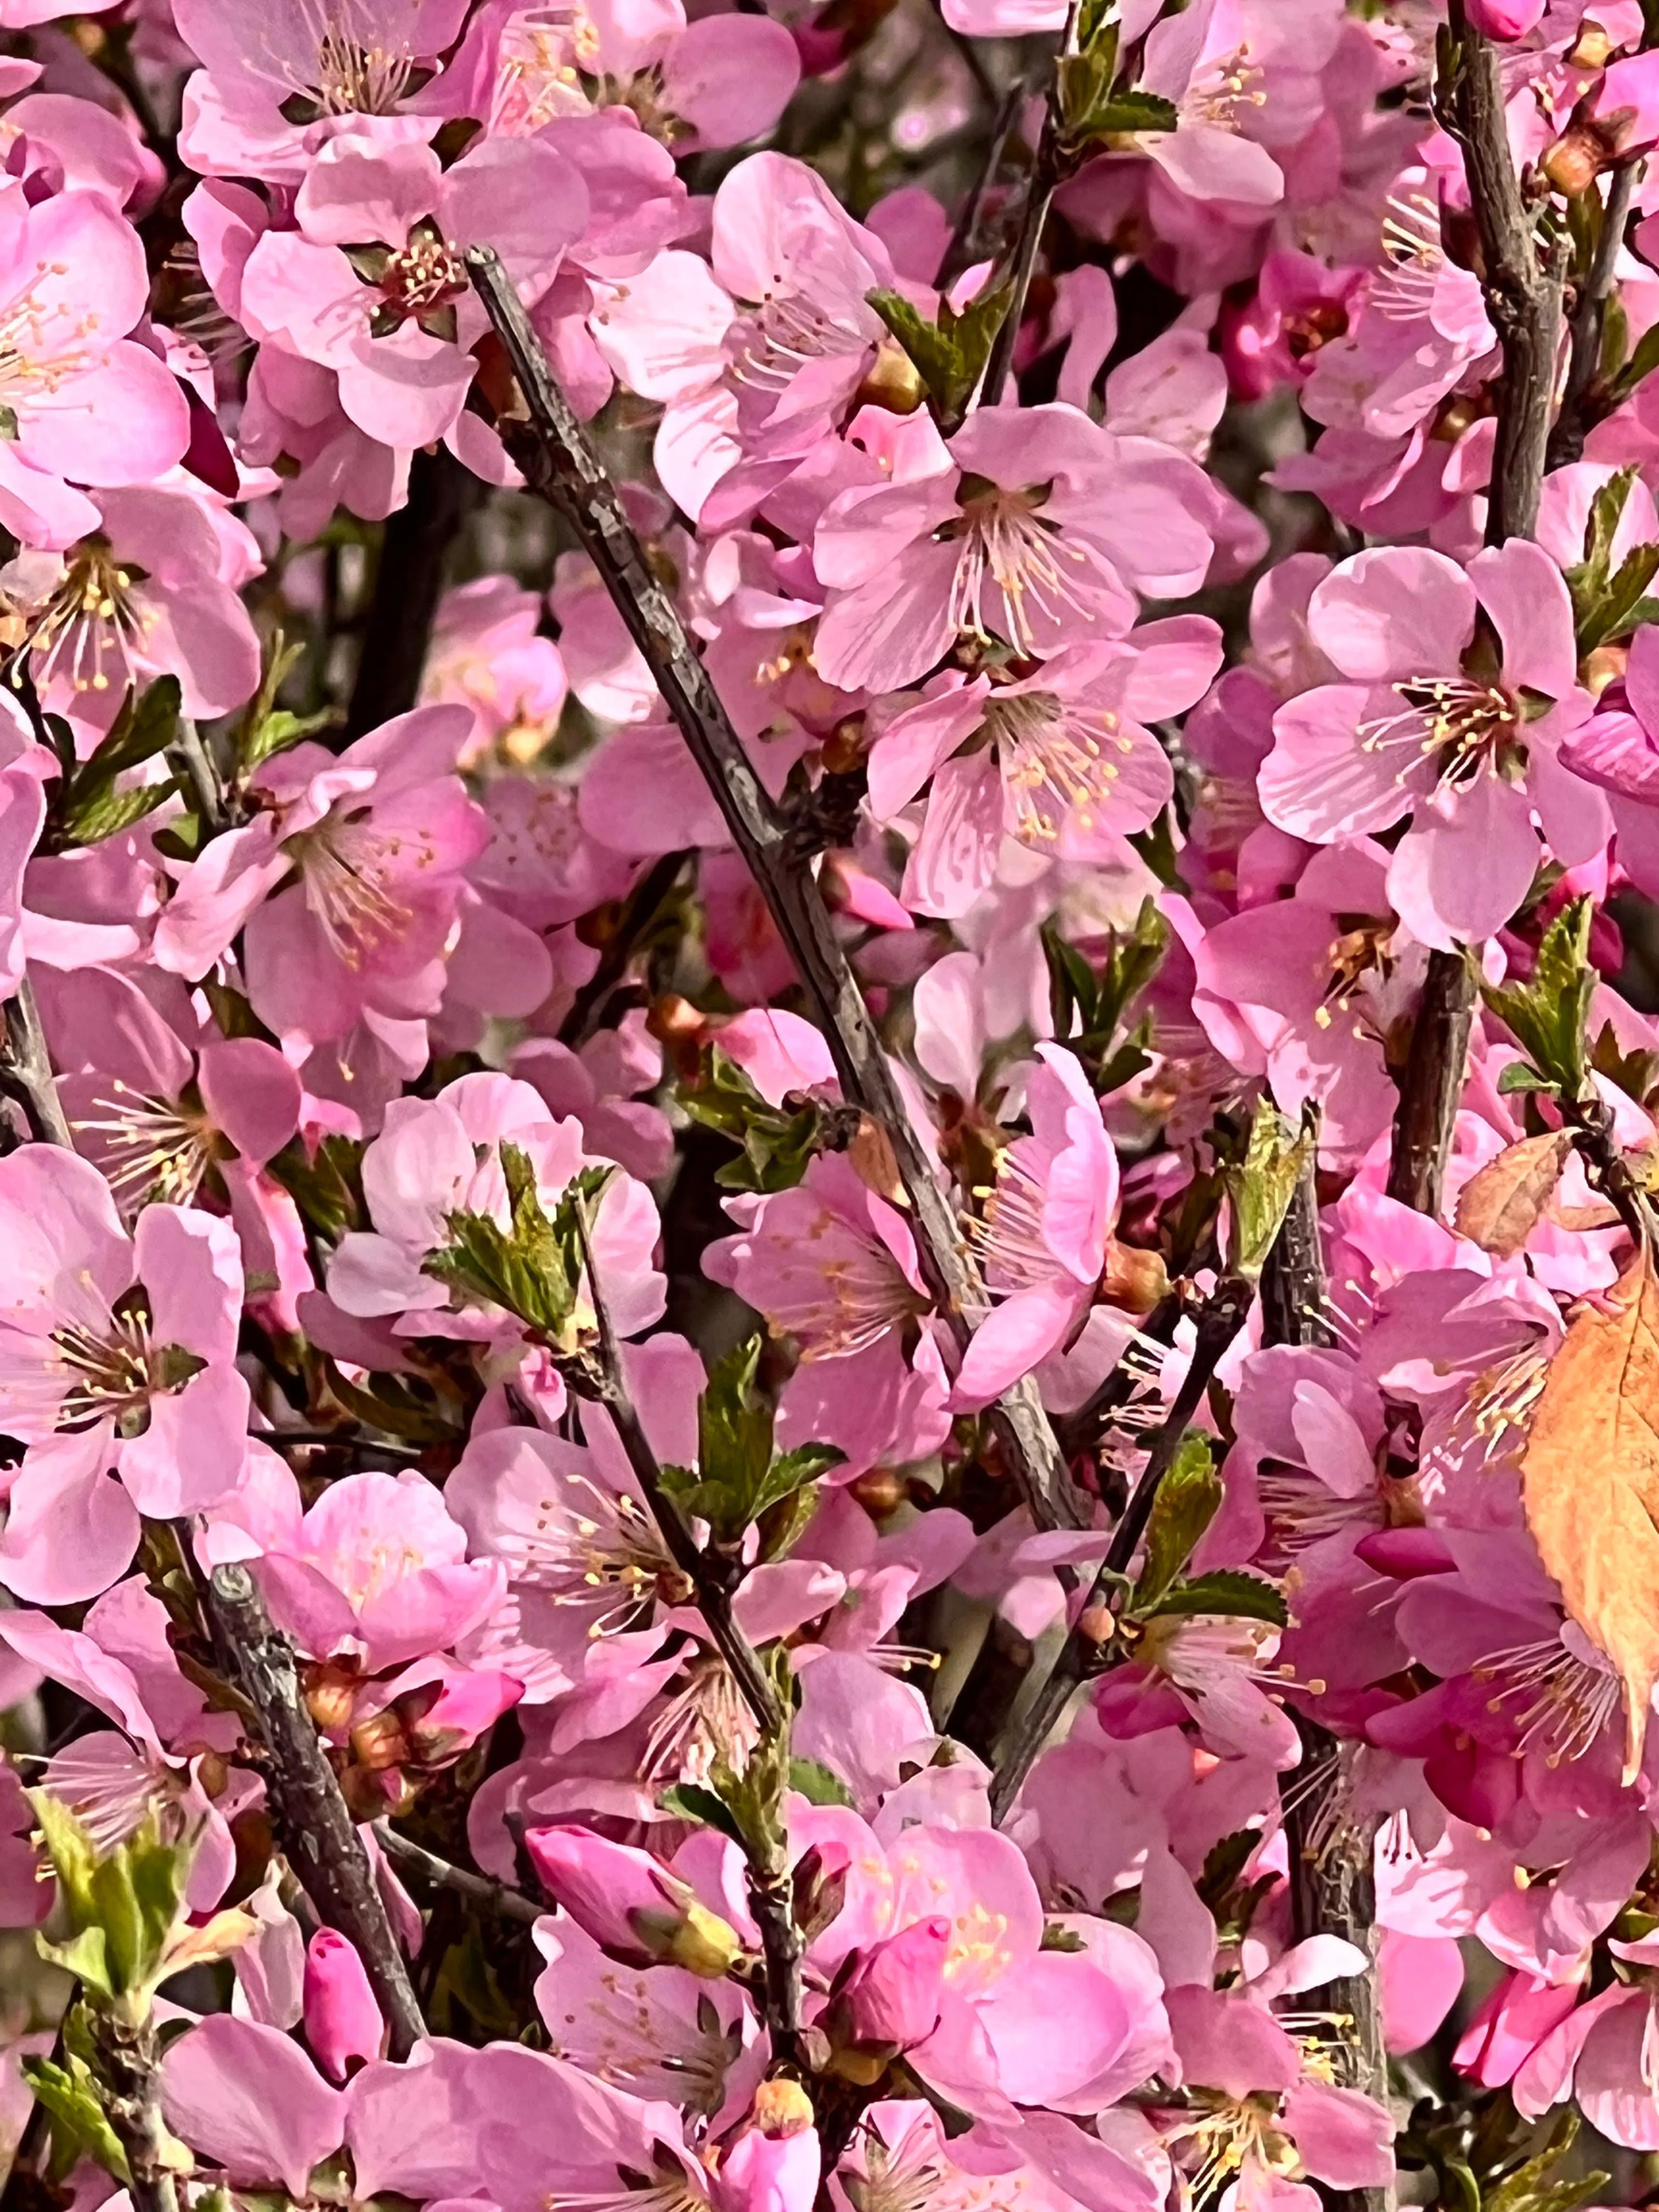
{"points": [[280, 659], [280, 730], [1518, 1076], [738, 1480], [950, 355], [689, 1801], [776, 1142], [121, 1906], [1089, 1008], [1224, 1866], [80, 2124], [91, 816], [147, 724], [1089, 116], [811, 1780], [1547, 1013], [1247, 1597], [1642, 364], [532, 1269], [326, 1185], [1260, 1189], [1188, 1498]]}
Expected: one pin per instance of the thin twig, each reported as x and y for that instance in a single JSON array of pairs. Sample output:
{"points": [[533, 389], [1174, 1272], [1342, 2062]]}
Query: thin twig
{"points": [[1330, 1882], [192, 763], [316, 1831], [1592, 1124], [962, 249], [559, 461], [1522, 283], [1577, 413], [1049, 170], [408, 585], [26, 1070], [496, 1897], [771, 1898], [127, 2052], [635, 915], [1218, 1322], [711, 1585]]}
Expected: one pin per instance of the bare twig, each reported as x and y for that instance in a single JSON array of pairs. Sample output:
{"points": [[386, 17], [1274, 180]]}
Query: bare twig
{"points": [[129, 2066], [962, 249], [496, 1897], [190, 761], [712, 1580], [1049, 170], [559, 461], [1592, 1124], [1577, 413], [407, 587], [1522, 283], [317, 1831], [1218, 1322], [1330, 1879], [635, 915], [26, 1070]]}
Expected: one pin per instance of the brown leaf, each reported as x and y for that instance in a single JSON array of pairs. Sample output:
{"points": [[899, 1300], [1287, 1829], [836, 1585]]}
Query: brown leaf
{"points": [[869, 1153], [1498, 1207], [1590, 1484]]}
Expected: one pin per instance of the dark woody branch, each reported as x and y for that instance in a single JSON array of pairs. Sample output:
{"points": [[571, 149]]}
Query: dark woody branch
{"points": [[559, 461]]}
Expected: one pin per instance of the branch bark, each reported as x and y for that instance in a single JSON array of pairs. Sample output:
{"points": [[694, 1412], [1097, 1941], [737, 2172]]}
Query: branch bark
{"points": [[1218, 1322], [407, 587], [128, 2067], [442, 1874], [1048, 171], [26, 1070], [1329, 1860], [1576, 414], [316, 1831], [559, 462], [1522, 286]]}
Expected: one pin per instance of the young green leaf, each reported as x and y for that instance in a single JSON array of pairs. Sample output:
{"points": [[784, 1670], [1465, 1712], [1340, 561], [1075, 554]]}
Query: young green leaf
{"points": [[1247, 1597], [1188, 1498]]}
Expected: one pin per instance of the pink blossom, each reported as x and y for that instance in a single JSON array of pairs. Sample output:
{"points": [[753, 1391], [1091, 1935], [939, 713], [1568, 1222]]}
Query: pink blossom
{"points": [[342, 2020], [1423, 725], [116, 1361], [1032, 526]]}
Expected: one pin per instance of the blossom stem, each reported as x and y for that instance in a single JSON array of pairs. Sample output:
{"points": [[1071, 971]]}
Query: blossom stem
{"points": [[495, 1896], [316, 1831], [128, 2064], [190, 761], [1218, 1322], [559, 461]]}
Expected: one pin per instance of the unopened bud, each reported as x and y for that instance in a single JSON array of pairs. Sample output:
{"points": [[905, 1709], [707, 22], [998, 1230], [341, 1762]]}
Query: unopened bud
{"points": [[781, 2107], [893, 382], [631, 1906], [1097, 1622], [342, 2022], [1592, 50]]}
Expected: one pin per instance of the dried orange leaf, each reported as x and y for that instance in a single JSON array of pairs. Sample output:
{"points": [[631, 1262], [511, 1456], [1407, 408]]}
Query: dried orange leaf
{"points": [[1591, 1484], [1499, 1207]]}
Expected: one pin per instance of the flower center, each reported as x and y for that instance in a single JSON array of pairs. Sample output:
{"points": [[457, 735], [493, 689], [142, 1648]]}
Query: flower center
{"points": [[1567, 1696], [353, 73], [345, 866], [85, 628], [1229, 84], [1007, 547], [1465, 727], [155, 1148], [1057, 761]]}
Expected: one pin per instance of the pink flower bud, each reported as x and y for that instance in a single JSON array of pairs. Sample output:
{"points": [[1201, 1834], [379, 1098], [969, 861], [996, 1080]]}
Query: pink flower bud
{"points": [[342, 2022], [774, 2166], [894, 1997], [443, 1719], [631, 1906], [1504, 19], [1509, 2025]]}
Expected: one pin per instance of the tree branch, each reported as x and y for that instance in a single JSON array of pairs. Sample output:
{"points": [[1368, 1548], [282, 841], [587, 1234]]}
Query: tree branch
{"points": [[1523, 285], [1218, 1322], [1048, 169], [635, 915], [1330, 1875], [408, 585], [317, 1834], [559, 461], [495, 1897]]}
